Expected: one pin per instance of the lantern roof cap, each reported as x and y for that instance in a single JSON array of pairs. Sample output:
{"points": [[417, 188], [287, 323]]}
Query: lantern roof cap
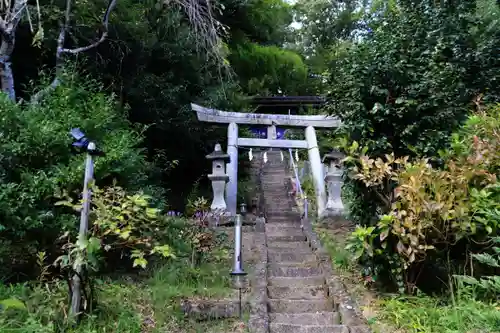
{"points": [[335, 154], [217, 154]]}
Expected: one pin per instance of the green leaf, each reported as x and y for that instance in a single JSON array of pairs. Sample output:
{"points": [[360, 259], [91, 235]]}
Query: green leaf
{"points": [[64, 203], [12, 303], [152, 212], [467, 279], [140, 262], [163, 250], [94, 245], [486, 259], [82, 242]]}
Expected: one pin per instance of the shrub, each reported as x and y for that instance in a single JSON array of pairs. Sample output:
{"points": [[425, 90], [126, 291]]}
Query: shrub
{"points": [[429, 211], [409, 83], [119, 222], [36, 162]]}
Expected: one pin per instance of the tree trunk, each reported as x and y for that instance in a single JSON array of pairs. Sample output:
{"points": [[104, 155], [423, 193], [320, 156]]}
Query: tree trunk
{"points": [[6, 74]]}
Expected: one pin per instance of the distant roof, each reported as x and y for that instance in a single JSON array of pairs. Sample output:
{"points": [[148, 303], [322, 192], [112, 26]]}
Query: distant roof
{"points": [[285, 104]]}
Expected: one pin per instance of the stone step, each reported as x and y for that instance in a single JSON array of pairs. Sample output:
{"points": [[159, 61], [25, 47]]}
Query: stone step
{"points": [[293, 271], [275, 206], [296, 236], [289, 328], [290, 258], [309, 292], [306, 319], [301, 250], [296, 281], [283, 227], [283, 218], [279, 237], [300, 306], [288, 245], [278, 226], [279, 209], [279, 212]]}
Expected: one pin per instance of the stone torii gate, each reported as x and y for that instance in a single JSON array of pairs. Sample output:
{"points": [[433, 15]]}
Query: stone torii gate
{"points": [[233, 119]]}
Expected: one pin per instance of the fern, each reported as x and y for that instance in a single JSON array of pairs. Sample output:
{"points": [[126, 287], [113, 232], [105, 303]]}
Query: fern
{"points": [[489, 284]]}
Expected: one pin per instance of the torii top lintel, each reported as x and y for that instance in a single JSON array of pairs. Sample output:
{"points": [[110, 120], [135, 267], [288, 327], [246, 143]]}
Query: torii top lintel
{"points": [[225, 117]]}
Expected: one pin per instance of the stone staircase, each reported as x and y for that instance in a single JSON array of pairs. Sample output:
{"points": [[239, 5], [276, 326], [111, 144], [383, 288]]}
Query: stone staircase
{"points": [[298, 298]]}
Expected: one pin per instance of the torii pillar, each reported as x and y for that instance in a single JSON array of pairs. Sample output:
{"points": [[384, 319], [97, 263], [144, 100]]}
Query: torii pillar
{"points": [[232, 168], [316, 169]]}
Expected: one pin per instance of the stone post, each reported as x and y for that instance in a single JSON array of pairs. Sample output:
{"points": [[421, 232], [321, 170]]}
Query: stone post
{"points": [[271, 132], [218, 178], [232, 168], [333, 178], [316, 169]]}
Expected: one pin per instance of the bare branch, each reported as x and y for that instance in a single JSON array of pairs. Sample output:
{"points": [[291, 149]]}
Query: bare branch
{"points": [[104, 35], [3, 27], [205, 26], [199, 13], [61, 50], [14, 16], [9, 22]]}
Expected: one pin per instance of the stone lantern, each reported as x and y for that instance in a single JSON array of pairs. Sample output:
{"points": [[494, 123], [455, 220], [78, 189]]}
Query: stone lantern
{"points": [[333, 179], [218, 177]]}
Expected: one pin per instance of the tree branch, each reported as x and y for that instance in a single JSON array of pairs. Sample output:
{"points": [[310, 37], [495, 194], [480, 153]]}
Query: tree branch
{"points": [[206, 27], [199, 13], [61, 50], [3, 27], [104, 35], [8, 26]]}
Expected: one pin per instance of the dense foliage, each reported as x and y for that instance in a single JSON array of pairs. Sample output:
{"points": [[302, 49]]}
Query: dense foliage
{"points": [[432, 214], [37, 164], [131, 94], [157, 62], [404, 76], [408, 78]]}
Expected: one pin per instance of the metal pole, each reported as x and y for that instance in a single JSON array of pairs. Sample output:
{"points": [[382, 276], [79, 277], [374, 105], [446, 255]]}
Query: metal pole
{"points": [[238, 271], [240, 314], [237, 267], [76, 296]]}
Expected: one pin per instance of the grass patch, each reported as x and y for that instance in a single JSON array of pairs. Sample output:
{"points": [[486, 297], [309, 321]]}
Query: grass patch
{"points": [[341, 258], [431, 315], [125, 305]]}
